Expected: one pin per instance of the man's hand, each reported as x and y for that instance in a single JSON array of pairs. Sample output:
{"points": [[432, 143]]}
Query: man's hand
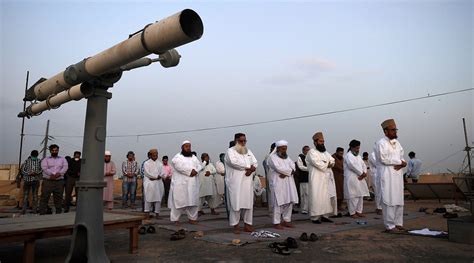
{"points": [[252, 168], [397, 167], [331, 165], [248, 172], [193, 173], [282, 176], [404, 164], [362, 176], [207, 173]]}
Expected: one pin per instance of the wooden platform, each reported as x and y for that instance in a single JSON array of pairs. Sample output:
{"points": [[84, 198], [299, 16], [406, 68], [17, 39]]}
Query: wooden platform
{"points": [[28, 229]]}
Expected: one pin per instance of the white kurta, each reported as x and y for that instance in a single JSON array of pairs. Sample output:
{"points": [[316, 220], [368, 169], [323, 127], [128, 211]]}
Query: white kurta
{"points": [[239, 186], [354, 166], [154, 189], [389, 153], [219, 177], [184, 190], [322, 188], [207, 183], [283, 189]]}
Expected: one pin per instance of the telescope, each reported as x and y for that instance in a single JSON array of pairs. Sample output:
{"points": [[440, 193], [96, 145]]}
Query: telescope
{"points": [[157, 38]]}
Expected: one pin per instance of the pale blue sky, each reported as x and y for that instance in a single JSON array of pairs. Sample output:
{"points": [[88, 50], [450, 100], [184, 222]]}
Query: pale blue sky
{"points": [[255, 62]]}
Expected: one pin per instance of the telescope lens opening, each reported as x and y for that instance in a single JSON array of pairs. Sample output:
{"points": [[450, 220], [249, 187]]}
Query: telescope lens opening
{"points": [[191, 24]]}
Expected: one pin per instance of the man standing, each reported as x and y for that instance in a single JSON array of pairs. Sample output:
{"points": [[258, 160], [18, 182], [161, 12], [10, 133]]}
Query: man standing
{"points": [[284, 191], [375, 183], [414, 167], [322, 189], [219, 177], [152, 183], [355, 187], [130, 172], [207, 185], [240, 165], [142, 174], [31, 172], [184, 191], [268, 179], [166, 177], [258, 189], [390, 162], [302, 172], [338, 171], [73, 173], [54, 168], [109, 172]]}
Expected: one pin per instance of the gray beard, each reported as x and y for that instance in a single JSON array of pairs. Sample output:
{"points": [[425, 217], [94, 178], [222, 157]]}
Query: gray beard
{"points": [[282, 156], [241, 149]]}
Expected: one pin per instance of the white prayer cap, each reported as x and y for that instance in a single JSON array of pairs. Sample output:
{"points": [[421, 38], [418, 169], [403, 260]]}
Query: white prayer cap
{"points": [[281, 143], [185, 142], [108, 153]]}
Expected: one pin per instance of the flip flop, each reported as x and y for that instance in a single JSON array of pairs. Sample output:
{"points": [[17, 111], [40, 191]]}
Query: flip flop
{"points": [[142, 230], [279, 248], [304, 237], [313, 237], [177, 236], [291, 242]]}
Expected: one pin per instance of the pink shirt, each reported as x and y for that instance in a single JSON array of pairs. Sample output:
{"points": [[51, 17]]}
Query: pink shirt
{"points": [[168, 170]]}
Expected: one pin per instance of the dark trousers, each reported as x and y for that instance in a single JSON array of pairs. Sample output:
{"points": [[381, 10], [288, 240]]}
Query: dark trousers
{"points": [[167, 183], [49, 187], [129, 189], [70, 185], [33, 188]]}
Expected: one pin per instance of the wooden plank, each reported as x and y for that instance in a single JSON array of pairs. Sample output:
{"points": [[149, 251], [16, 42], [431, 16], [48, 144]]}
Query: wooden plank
{"points": [[29, 251]]}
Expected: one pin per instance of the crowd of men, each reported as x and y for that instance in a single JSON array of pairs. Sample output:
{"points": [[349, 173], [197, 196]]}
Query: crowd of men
{"points": [[318, 182]]}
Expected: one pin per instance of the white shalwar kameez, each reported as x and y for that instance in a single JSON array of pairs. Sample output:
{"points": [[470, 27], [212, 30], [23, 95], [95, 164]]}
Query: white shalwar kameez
{"points": [[283, 189], [154, 189], [389, 153], [207, 188], [184, 190], [354, 189], [375, 181], [239, 186], [322, 188], [258, 189]]}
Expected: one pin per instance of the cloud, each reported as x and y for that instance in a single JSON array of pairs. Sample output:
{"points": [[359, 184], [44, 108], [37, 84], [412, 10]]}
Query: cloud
{"points": [[315, 65]]}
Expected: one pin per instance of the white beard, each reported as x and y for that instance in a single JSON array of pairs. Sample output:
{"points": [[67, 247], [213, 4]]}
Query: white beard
{"points": [[241, 149]]}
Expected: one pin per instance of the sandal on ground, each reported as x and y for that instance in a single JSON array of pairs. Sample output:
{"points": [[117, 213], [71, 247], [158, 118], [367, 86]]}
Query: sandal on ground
{"points": [[151, 230], [313, 237], [279, 248], [291, 242], [177, 236], [304, 237], [142, 230]]}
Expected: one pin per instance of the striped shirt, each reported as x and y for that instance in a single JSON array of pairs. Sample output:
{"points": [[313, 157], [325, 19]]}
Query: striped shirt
{"points": [[33, 167], [130, 167]]}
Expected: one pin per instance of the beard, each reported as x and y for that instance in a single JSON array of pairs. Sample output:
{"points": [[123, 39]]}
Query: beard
{"points": [[321, 148], [241, 149], [282, 155], [187, 154], [107, 161], [54, 155]]}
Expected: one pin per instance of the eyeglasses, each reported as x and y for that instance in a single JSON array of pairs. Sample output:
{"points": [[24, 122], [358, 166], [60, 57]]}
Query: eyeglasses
{"points": [[242, 140]]}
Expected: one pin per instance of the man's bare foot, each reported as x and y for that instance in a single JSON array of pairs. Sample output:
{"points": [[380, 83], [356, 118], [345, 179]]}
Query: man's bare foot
{"points": [[378, 211], [177, 223], [278, 226], [360, 215], [401, 228], [193, 222], [354, 216], [236, 229], [248, 228], [288, 224]]}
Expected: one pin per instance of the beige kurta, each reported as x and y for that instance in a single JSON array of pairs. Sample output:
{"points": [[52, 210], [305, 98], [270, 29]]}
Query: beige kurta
{"points": [[207, 184], [322, 189], [219, 177], [109, 188]]}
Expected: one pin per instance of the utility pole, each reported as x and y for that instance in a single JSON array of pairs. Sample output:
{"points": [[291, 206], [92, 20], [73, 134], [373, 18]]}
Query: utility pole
{"points": [[468, 148], [45, 146], [22, 134]]}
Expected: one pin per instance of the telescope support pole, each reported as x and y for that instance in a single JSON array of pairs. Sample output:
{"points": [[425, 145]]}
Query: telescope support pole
{"points": [[88, 236]]}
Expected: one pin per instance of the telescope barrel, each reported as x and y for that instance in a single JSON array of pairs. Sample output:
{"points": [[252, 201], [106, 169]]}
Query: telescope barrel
{"points": [[176, 30], [75, 93]]}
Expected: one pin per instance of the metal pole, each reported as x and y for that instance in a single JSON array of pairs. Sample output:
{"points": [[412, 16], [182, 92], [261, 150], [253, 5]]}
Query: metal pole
{"points": [[22, 134], [88, 236], [467, 149], [45, 146]]}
